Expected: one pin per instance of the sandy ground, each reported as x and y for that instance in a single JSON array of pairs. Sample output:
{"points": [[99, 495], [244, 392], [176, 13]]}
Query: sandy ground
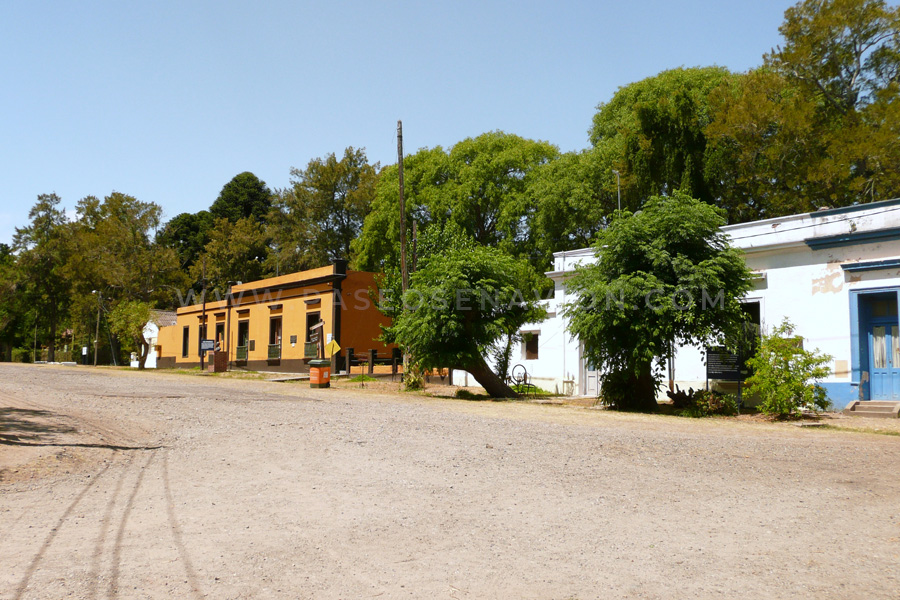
{"points": [[118, 484]]}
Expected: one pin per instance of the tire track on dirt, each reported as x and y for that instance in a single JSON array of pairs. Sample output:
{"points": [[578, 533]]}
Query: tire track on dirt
{"points": [[113, 587], [96, 556], [32, 567], [176, 532]]}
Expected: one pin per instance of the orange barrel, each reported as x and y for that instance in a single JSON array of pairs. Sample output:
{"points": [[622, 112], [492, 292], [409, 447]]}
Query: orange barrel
{"points": [[320, 373]]}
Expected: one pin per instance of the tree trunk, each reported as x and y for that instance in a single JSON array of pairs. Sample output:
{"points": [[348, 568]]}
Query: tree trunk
{"points": [[143, 351], [641, 394], [489, 380], [51, 349]]}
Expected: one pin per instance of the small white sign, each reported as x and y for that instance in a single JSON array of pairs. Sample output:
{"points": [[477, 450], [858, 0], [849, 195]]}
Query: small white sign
{"points": [[327, 338], [84, 350]]}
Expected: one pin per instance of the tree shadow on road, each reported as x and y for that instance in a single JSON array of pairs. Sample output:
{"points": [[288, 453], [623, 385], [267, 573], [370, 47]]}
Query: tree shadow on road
{"points": [[26, 427], [20, 425]]}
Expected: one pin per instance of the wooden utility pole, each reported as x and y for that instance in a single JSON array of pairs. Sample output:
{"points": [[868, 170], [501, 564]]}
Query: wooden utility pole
{"points": [[203, 318], [404, 274], [97, 330]]}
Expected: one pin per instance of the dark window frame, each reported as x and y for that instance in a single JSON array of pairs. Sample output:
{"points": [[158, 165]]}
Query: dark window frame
{"points": [[309, 319], [220, 340], [243, 324], [272, 331]]}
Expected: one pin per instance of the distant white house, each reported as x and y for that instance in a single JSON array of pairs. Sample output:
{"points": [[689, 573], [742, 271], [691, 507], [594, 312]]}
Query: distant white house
{"points": [[834, 273], [158, 318]]}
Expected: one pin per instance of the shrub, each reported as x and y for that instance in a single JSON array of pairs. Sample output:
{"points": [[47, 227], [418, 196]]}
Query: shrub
{"points": [[785, 375], [21, 355], [614, 390], [414, 378], [704, 403]]}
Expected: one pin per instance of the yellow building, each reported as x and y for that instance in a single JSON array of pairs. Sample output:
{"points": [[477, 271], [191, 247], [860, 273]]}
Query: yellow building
{"points": [[279, 324]]}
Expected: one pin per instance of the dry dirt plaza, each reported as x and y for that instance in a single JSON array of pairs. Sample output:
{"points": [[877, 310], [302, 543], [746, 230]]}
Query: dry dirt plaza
{"points": [[118, 484]]}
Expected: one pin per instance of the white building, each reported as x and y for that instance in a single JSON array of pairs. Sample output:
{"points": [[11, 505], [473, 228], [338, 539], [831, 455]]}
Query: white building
{"points": [[834, 273], [158, 318]]}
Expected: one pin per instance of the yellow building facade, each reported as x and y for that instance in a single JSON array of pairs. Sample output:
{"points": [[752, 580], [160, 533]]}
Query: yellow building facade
{"points": [[280, 323]]}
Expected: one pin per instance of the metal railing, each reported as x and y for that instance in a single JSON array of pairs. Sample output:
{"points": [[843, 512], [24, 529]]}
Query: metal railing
{"points": [[240, 353], [274, 351]]}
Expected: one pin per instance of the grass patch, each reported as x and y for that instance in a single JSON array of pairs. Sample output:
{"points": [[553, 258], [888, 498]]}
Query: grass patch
{"points": [[530, 390], [861, 430], [362, 378], [178, 371]]}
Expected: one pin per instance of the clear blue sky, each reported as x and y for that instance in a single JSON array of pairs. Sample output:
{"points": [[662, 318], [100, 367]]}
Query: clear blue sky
{"points": [[167, 100]]}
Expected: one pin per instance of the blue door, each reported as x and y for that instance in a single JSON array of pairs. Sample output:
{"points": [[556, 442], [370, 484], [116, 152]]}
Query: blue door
{"points": [[884, 360]]}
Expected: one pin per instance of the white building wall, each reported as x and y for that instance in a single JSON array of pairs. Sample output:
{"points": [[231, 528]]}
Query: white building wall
{"points": [[797, 279], [559, 367], [151, 334], [811, 289]]}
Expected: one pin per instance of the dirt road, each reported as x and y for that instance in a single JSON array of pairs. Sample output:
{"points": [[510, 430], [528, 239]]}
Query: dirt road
{"points": [[124, 485]]}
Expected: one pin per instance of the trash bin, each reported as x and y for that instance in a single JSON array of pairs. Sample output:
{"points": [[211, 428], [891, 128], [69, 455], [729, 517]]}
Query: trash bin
{"points": [[320, 373], [220, 361]]}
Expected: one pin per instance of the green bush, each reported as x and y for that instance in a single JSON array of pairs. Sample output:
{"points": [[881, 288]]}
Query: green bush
{"points": [[614, 390], [413, 379], [362, 378], [704, 403], [785, 375], [21, 355], [618, 387]]}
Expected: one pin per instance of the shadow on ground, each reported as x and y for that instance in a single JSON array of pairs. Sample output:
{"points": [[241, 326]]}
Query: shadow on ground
{"points": [[24, 426]]}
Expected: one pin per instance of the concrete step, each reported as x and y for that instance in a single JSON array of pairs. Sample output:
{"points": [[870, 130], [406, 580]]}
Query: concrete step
{"points": [[873, 415], [874, 409]]}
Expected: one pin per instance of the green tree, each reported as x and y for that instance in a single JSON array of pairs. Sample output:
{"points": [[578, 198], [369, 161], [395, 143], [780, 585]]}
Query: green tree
{"points": [[12, 307], [572, 198], [480, 185], [116, 254], [292, 236], [127, 321], [486, 195], [327, 205], [187, 234], [818, 124], [117, 249], [235, 252], [785, 375], [763, 148], [244, 197], [44, 249], [664, 277], [425, 175], [461, 301], [843, 52], [655, 130]]}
